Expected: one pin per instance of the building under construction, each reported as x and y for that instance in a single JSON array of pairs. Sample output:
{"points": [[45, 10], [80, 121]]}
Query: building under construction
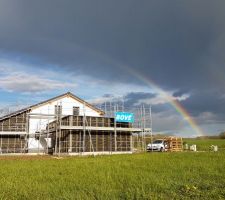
{"points": [[68, 125]]}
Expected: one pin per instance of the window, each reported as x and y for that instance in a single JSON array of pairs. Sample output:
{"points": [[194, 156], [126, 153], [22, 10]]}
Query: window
{"points": [[76, 110], [158, 142], [58, 110]]}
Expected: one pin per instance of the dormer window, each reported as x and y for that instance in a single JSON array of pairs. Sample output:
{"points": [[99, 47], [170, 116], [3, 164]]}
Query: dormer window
{"points": [[58, 110], [76, 110]]}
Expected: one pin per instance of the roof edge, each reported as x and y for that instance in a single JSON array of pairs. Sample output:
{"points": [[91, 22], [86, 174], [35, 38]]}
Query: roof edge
{"points": [[28, 109]]}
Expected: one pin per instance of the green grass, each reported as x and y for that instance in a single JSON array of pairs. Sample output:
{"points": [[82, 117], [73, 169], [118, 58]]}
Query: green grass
{"points": [[204, 144], [187, 175]]}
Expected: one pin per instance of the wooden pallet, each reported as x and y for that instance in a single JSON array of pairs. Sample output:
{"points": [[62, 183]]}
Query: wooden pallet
{"points": [[175, 144]]}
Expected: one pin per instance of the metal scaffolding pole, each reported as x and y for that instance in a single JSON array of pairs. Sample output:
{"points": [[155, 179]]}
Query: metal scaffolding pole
{"points": [[60, 124], [84, 127], [144, 126], [70, 136], [150, 112], [123, 104], [141, 127], [110, 108], [105, 107], [27, 133], [47, 137], [56, 129], [39, 135], [115, 132]]}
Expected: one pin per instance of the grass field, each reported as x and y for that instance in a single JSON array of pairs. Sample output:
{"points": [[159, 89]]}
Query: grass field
{"points": [[186, 175], [204, 144]]}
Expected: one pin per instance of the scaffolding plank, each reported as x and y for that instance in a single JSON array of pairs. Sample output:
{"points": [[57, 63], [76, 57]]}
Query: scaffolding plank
{"points": [[94, 128], [12, 133]]}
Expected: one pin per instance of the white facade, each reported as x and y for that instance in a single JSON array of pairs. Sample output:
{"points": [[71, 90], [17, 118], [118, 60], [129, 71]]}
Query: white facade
{"points": [[41, 115]]}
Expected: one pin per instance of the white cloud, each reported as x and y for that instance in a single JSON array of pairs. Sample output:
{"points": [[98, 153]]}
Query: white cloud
{"points": [[27, 83], [101, 100], [163, 99], [15, 78]]}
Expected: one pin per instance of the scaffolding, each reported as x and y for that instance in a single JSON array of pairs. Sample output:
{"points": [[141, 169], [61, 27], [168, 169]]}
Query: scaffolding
{"points": [[78, 134], [13, 134]]}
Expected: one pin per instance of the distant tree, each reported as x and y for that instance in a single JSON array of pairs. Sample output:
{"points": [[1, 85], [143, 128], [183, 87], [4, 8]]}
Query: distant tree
{"points": [[222, 135]]}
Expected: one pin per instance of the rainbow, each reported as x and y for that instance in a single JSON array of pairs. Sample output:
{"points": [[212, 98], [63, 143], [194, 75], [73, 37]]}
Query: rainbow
{"points": [[174, 102]]}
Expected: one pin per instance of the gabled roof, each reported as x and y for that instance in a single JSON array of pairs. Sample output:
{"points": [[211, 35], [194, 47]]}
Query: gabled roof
{"points": [[68, 94]]}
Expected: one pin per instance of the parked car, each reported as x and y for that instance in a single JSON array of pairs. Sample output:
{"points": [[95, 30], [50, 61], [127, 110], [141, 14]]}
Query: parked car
{"points": [[158, 145]]}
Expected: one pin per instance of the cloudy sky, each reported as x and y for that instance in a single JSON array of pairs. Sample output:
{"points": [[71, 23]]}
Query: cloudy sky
{"points": [[99, 50]]}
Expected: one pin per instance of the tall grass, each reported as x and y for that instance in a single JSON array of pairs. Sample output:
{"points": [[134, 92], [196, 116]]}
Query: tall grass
{"points": [[138, 176]]}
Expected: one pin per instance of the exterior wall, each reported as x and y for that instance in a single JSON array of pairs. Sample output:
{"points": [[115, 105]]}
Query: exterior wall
{"points": [[96, 141], [12, 134], [67, 104], [12, 144], [90, 121], [14, 124], [71, 141]]}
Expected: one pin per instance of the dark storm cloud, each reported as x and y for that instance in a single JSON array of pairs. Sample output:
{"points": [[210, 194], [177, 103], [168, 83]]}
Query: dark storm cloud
{"points": [[180, 92], [179, 44], [206, 101], [159, 38], [134, 97]]}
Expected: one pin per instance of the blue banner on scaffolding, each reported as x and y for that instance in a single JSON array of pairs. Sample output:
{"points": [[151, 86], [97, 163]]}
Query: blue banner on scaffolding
{"points": [[124, 117]]}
